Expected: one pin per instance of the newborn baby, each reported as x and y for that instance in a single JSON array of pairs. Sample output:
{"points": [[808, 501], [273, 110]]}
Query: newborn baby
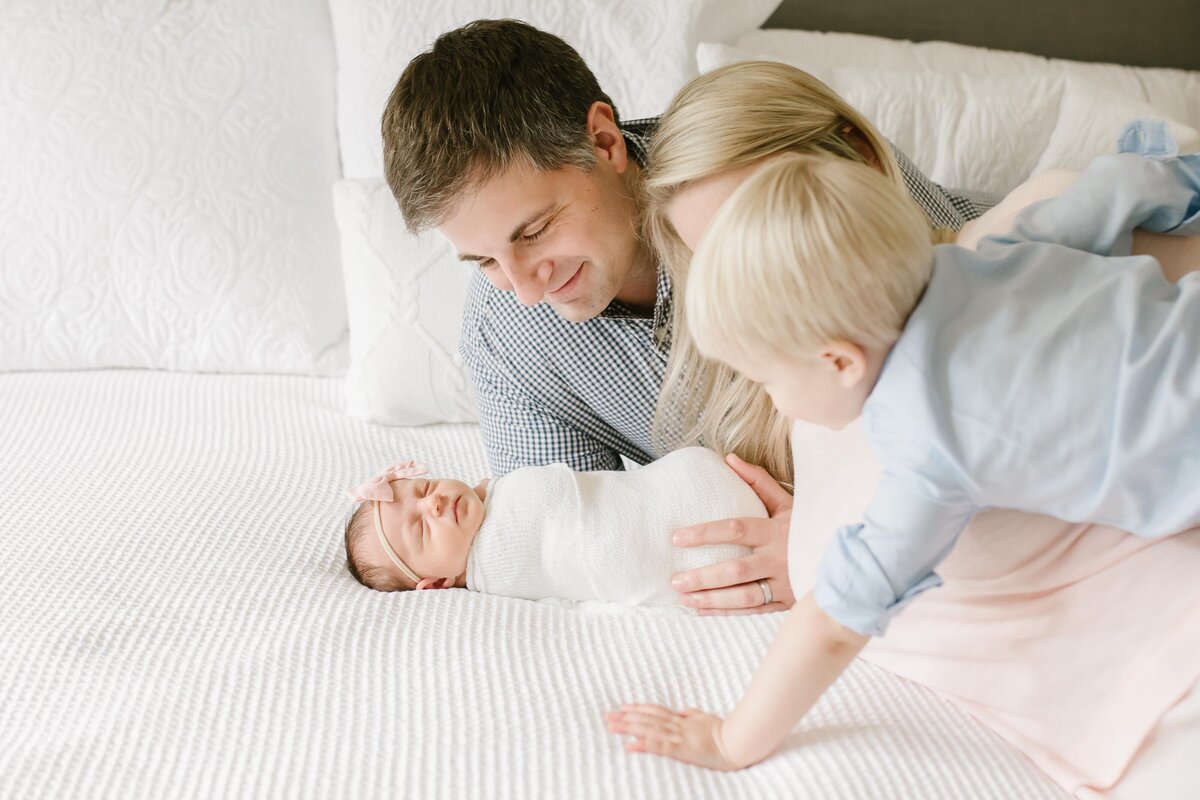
{"points": [[546, 531]]}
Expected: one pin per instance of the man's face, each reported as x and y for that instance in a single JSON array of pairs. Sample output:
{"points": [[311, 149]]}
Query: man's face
{"points": [[565, 237]]}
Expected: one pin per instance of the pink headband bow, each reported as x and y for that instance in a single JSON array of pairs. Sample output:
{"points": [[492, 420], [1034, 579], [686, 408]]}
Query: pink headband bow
{"points": [[379, 490]]}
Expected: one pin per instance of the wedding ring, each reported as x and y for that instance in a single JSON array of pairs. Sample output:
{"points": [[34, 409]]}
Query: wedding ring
{"points": [[766, 590]]}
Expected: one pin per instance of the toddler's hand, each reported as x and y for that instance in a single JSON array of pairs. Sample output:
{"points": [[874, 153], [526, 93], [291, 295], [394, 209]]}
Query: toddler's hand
{"points": [[690, 736]]}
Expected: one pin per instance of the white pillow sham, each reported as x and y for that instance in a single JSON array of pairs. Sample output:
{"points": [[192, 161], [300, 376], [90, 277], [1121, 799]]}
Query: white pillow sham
{"points": [[1175, 93], [164, 187], [405, 296], [641, 51], [981, 132]]}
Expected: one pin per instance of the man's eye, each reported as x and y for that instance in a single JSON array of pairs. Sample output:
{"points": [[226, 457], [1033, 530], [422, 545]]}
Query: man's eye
{"points": [[486, 263]]}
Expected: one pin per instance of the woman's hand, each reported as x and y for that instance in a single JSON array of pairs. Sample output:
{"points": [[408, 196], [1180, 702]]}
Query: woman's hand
{"points": [[690, 736], [731, 587]]}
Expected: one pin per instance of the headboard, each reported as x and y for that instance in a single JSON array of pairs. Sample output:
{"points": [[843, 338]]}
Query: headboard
{"points": [[1151, 33]]}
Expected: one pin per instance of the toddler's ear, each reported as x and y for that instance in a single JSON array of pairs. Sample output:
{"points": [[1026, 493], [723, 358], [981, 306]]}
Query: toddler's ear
{"points": [[435, 583], [848, 360]]}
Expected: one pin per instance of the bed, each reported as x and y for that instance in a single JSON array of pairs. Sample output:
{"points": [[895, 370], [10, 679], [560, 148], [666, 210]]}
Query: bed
{"points": [[181, 408], [179, 622]]}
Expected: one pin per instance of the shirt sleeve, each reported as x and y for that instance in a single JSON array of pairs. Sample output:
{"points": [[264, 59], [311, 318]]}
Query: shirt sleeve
{"points": [[873, 569], [945, 208], [1115, 194]]}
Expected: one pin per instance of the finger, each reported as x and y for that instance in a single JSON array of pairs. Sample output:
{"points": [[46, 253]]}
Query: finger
{"points": [[736, 612], [772, 495], [744, 596], [649, 708], [650, 730], [663, 715], [658, 746], [746, 531], [734, 573]]}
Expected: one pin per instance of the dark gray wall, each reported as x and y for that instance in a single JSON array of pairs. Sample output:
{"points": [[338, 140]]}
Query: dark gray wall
{"points": [[1145, 33]]}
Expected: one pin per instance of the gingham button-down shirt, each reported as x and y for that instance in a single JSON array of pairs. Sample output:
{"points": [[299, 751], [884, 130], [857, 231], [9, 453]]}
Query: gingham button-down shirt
{"points": [[584, 394]]}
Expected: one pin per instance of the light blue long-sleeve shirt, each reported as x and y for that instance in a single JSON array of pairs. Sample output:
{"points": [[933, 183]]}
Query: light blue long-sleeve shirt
{"points": [[1048, 371]]}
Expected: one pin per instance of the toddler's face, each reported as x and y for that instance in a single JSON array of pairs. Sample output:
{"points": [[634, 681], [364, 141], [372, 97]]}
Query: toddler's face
{"points": [[816, 388], [431, 525]]}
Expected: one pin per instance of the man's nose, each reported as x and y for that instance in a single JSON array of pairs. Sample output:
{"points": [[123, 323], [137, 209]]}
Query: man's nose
{"points": [[529, 280]]}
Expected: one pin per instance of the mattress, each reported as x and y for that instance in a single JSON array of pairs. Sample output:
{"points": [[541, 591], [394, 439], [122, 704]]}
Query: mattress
{"points": [[178, 622]]}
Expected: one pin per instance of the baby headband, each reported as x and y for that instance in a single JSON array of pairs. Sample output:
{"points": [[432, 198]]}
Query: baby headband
{"points": [[379, 489]]}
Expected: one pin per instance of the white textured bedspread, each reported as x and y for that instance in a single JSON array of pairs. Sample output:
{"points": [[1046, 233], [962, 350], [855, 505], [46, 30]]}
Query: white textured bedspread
{"points": [[176, 621]]}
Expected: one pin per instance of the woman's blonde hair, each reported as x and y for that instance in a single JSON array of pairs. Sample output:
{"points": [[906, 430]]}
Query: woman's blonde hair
{"points": [[808, 250], [728, 118]]}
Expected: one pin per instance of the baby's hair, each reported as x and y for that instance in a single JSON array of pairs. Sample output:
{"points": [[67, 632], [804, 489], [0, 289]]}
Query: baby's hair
{"points": [[810, 249], [374, 576]]}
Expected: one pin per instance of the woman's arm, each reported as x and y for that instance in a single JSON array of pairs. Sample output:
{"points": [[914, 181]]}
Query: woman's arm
{"points": [[1177, 255], [1114, 195], [731, 587]]}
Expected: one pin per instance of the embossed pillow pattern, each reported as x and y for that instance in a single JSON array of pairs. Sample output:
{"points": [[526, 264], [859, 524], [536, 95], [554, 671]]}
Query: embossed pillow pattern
{"points": [[165, 173], [406, 295], [642, 51]]}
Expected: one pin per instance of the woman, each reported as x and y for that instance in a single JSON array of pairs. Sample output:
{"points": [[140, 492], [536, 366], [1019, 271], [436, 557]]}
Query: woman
{"points": [[716, 129], [1029, 636]]}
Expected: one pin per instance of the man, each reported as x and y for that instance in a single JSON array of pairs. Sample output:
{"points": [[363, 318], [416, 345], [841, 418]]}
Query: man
{"points": [[501, 138]]}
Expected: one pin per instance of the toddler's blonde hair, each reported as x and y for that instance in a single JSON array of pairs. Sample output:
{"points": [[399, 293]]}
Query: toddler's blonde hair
{"points": [[808, 250]]}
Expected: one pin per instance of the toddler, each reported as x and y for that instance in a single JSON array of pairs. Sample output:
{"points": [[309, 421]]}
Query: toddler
{"points": [[546, 531], [1050, 371]]}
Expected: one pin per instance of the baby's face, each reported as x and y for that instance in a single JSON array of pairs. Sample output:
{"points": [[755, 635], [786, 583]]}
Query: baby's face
{"points": [[431, 525]]}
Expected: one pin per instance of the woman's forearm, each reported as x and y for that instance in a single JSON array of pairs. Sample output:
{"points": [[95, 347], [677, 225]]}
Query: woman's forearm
{"points": [[809, 652]]}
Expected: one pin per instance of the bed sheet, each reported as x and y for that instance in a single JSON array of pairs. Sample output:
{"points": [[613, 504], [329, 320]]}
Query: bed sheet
{"points": [[178, 622]]}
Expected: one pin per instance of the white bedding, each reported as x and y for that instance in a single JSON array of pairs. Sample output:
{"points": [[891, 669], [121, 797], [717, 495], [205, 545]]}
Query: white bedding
{"points": [[178, 622]]}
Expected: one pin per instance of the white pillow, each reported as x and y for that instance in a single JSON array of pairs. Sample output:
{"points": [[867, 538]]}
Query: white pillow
{"points": [[164, 187], [405, 295], [1089, 121], [981, 132], [641, 51], [1175, 93]]}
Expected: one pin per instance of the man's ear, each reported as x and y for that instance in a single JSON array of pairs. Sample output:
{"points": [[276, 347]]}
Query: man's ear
{"points": [[848, 360], [606, 136], [435, 583]]}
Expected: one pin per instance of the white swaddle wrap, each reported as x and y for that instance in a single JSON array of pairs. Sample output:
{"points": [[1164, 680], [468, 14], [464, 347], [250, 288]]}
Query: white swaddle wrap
{"points": [[552, 532]]}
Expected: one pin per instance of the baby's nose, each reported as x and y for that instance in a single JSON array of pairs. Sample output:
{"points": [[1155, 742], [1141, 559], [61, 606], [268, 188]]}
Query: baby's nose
{"points": [[436, 503]]}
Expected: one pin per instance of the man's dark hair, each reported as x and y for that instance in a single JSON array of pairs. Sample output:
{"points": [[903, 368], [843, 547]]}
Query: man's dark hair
{"points": [[486, 96]]}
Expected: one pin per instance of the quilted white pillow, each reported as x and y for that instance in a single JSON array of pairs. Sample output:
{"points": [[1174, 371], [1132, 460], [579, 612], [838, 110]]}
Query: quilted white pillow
{"points": [[1174, 92], [642, 51], [982, 132], [405, 295], [164, 187], [1091, 118]]}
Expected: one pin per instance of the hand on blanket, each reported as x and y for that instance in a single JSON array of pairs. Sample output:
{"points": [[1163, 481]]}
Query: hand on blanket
{"points": [[690, 736], [731, 587]]}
